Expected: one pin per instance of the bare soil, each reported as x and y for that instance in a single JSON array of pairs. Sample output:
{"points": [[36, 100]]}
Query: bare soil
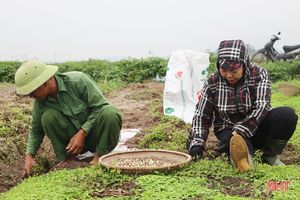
{"points": [[134, 102], [123, 189], [288, 89]]}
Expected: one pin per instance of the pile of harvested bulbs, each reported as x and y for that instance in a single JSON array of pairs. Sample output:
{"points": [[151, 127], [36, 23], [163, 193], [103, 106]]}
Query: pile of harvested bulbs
{"points": [[141, 162]]}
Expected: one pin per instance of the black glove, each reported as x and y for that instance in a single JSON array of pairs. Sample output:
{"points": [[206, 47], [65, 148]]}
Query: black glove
{"points": [[196, 152]]}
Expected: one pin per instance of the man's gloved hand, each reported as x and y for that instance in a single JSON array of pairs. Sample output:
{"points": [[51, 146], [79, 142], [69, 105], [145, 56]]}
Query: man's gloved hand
{"points": [[196, 152]]}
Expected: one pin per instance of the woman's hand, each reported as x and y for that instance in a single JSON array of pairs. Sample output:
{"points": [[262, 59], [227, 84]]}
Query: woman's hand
{"points": [[196, 152]]}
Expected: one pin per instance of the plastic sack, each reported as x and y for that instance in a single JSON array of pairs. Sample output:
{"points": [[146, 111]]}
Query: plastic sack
{"points": [[187, 71]]}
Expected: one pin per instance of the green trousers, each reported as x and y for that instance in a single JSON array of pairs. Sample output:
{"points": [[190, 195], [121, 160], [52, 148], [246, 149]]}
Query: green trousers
{"points": [[102, 139]]}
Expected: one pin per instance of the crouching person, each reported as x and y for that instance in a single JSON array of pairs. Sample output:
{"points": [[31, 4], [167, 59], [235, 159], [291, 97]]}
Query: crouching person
{"points": [[236, 101], [70, 110]]}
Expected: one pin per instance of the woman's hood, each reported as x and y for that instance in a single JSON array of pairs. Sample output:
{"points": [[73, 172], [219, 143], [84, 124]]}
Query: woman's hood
{"points": [[233, 50]]}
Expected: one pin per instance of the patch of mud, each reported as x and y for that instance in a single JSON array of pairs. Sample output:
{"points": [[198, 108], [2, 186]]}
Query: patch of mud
{"points": [[211, 144], [69, 164], [134, 102], [290, 155], [233, 186], [288, 89], [7, 93], [120, 190]]}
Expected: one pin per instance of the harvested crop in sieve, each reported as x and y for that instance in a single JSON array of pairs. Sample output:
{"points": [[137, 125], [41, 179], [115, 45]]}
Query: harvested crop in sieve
{"points": [[142, 162]]}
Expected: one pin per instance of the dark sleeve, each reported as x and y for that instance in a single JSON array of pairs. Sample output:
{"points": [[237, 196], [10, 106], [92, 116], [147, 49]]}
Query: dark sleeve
{"points": [[203, 117]]}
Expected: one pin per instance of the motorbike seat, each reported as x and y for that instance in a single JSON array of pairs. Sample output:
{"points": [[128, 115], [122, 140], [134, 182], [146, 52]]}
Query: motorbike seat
{"points": [[288, 49]]}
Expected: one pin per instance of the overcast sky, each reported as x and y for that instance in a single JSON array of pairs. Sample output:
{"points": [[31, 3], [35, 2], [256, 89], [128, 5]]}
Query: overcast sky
{"points": [[61, 30]]}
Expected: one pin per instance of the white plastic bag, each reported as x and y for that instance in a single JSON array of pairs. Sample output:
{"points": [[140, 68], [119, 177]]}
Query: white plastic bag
{"points": [[187, 71]]}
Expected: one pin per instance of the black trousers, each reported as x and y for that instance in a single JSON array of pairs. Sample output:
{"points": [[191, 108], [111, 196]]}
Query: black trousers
{"points": [[280, 123]]}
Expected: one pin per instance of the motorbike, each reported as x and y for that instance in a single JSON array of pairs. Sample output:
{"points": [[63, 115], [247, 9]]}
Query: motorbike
{"points": [[269, 53]]}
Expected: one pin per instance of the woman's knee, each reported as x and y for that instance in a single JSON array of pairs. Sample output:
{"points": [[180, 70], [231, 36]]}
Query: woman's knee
{"points": [[282, 123], [286, 114]]}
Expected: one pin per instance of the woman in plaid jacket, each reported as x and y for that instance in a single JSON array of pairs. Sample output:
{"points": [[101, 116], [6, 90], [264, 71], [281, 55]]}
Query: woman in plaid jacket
{"points": [[235, 100]]}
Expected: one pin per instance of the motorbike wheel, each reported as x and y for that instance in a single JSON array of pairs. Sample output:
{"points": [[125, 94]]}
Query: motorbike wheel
{"points": [[260, 56]]}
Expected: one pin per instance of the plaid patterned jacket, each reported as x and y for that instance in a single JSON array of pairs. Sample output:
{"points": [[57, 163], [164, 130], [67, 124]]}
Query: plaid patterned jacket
{"points": [[240, 107]]}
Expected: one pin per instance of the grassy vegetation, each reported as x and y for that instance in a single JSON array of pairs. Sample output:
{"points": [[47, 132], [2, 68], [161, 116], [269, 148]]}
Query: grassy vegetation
{"points": [[278, 99], [127, 70], [108, 86], [204, 179], [170, 133], [137, 70]]}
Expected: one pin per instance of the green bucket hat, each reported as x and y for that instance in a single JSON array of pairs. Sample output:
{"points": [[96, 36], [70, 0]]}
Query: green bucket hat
{"points": [[31, 75]]}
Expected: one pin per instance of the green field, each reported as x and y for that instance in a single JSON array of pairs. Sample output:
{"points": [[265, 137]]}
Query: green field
{"points": [[210, 178]]}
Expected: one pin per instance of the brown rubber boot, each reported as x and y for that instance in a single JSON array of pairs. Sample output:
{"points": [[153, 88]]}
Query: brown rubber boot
{"points": [[239, 153]]}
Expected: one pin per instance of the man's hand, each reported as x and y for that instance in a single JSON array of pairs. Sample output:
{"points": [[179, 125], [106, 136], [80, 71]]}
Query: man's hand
{"points": [[197, 152], [76, 143], [29, 162]]}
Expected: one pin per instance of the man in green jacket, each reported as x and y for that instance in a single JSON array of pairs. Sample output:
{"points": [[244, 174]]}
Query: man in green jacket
{"points": [[70, 109]]}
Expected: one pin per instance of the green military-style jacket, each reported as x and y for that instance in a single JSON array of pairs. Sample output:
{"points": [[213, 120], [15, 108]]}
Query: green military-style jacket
{"points": [[78, 98]]}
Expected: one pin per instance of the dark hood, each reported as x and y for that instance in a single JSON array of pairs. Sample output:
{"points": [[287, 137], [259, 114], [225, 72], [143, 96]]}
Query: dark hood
{"points": [[233, 50]]}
